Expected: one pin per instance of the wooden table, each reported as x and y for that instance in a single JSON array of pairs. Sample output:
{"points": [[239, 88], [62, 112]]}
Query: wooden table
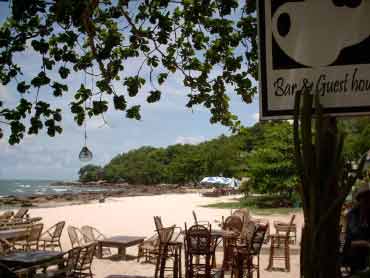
{"points": [[30, 259], [14, 234], [119, 242]]}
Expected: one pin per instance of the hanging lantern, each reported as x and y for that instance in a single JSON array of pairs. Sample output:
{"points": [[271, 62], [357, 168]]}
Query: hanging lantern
{"points": [[85, 154]]}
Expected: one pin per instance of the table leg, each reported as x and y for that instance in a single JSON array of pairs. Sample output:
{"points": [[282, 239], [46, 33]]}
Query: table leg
{"points": [[122, 252], [100, 250], [180, 265]]}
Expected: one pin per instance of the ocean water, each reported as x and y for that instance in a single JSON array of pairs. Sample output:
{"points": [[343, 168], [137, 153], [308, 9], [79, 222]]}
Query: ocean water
{"points": [[38, 187]]}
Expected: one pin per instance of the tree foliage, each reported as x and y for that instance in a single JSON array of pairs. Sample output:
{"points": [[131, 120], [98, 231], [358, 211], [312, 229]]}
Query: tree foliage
{"points": [[210, 43], [264, 153], [177, 164], [90, 172], [357, 137], [271, 164]]}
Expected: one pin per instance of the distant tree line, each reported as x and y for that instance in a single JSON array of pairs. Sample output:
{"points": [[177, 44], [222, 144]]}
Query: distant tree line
{"points": [[263, 153]]}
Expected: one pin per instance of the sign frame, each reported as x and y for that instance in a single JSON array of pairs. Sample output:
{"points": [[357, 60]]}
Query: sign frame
{"points": [[269, 114]]}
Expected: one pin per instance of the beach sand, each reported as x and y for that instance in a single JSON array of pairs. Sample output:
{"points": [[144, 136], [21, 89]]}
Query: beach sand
{"points": [[134, 216]]}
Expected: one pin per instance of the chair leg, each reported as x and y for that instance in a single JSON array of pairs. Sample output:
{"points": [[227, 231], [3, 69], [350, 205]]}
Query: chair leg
{"points": [[287, 257], [258, 266], [269, 267]]}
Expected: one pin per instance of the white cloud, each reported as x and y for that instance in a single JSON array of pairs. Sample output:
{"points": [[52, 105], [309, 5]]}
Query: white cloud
{"points": [[189, 140]]}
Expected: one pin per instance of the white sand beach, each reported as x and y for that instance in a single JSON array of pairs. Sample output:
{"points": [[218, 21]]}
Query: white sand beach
{"points": [[134, 216]]}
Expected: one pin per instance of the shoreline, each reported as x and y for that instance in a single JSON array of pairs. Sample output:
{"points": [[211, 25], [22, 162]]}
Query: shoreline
{"points": [[78, 198], [70, 198]]}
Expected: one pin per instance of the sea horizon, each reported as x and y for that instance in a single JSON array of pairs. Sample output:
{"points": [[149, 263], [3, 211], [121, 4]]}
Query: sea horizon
{"points": [[29, 187]]}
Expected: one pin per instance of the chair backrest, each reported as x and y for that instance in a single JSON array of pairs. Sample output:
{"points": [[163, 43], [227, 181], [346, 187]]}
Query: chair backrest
{"points": [[88, 233], [86, 256], [198, 244], [198, 240], [158, 222], [58, 229], [243, 213], [21, 213], [290, 227], [73, 255], [195, 218], [91, 234], [233, 223], [259, 237], [165, 234], [35, 232], [75, 236], [247, 232]]}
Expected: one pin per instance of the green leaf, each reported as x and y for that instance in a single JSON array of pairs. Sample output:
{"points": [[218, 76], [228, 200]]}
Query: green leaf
{"points": [[64, 72], [22, 87], [133, 112], [162, 78], [154, 96], [119, 102]]}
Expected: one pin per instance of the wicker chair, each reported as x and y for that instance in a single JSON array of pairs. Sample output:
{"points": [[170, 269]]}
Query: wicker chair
{"points": [[21, 213], [83, 267], [148, 248], [32, 240], [243, 213], [256, 245], [280, 244], [6, 247], [91, 234], [66, 268], [231, 223], [199, 251], [282, 227], [159, 225], [168, 251], [51, 238], [75, 236], [242, 260], [264, 222]]}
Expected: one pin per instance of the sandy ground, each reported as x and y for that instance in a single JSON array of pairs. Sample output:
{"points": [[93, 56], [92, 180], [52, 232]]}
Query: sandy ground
{"points": [[134, 216]]}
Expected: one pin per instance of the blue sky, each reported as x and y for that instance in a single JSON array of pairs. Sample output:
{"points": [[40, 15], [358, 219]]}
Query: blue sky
{"points": [[164, 123]]}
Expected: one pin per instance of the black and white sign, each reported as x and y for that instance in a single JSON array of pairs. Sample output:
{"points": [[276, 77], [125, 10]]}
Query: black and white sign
{"points": [[319, 45]]}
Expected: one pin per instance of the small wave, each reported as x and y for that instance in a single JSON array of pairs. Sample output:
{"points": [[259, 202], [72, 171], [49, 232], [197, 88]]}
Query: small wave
{"points": [[19, 190], [25, 185], [60, 189]]}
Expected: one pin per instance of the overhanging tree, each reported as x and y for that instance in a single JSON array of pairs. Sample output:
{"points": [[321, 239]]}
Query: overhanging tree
{"points": [[211, 44], [206, 41]]}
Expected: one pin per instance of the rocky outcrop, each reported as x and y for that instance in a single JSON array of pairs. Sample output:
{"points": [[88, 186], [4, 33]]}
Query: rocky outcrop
{"points": [[118, 190]]}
